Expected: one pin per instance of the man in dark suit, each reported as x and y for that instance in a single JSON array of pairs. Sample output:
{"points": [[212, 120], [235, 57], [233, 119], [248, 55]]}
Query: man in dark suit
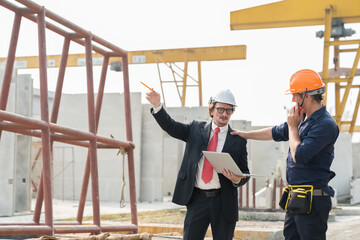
{"points": [[210, 198]]}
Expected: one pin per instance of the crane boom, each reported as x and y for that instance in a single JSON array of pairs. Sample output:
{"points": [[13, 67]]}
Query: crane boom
{"points": [[169, 57], [218, 53], [294, 13]]}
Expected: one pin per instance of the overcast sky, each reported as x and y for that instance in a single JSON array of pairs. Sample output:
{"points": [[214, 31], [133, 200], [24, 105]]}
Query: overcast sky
{"points": [[258, 82]]}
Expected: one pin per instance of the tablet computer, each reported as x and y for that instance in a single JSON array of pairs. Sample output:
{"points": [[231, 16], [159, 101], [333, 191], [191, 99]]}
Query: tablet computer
{"points": [[221, 160]]}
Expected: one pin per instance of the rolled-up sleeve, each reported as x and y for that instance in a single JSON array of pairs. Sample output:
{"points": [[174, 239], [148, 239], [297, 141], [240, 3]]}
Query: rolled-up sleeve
{"points": [[280, 132]]}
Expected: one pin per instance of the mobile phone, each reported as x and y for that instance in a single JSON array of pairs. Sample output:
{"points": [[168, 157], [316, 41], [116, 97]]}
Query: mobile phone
{"points": [[300, 108]]}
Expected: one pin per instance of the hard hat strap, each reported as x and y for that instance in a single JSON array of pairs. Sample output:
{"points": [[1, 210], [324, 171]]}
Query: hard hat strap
{"points": [[302, 102]]}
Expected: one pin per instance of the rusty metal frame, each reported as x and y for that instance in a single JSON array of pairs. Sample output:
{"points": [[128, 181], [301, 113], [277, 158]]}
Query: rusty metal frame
{"points": [[49, 131]]}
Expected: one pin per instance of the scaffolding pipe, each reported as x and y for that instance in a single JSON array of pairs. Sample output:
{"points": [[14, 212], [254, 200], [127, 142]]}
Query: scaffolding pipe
{"points": [[84, 33], [129, 137], [274, 194], [86, 176], [49, 131], [253, 192], [10, 62]]}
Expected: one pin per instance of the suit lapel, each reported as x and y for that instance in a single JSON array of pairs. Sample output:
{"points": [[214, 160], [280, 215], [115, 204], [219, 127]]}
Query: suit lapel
{"points": [[205, 133], [230, 141]]}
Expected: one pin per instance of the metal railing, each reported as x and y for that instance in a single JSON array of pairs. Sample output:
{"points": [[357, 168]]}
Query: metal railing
{"points": [[248, 192]]}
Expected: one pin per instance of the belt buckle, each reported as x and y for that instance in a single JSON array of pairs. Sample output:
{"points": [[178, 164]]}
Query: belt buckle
{"points": [[211, 194], [320, 192]]}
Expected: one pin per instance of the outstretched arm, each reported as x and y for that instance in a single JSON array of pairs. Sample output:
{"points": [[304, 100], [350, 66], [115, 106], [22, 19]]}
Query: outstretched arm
{"points": [[261, 134]]}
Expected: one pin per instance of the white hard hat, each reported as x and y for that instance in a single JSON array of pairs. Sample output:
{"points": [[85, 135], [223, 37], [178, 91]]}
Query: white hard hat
{"points": [[224, 96]]}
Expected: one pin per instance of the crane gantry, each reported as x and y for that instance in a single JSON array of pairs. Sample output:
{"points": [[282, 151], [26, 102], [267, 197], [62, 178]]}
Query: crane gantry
{"points": [[170, 57], [330, 13]]}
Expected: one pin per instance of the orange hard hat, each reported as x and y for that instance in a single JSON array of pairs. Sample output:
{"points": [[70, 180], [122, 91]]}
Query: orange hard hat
{"points": [[307, 81]]}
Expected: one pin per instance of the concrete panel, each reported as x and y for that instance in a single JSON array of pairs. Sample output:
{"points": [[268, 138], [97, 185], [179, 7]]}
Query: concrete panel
{"points": [[160, 166], [7, 157], [173, 154], [267, 158], [73, 114], [36, 103], [7, 151], [115, 125], [64, 172], [356, 159], [342, 166], [151, 158], [355, 191], [174, 148], [24, 95]]}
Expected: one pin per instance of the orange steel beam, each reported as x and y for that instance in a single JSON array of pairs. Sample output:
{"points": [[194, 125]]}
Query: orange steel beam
{"points": [[167, 56], [293, 13], [218, 53]]}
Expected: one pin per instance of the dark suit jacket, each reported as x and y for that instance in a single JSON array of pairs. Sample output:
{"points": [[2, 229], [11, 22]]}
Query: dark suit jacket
{"points": [[196, 135]]}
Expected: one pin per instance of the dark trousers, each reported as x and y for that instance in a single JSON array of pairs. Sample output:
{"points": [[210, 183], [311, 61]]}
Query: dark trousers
{"points": [[202, 211], [309, 226]]}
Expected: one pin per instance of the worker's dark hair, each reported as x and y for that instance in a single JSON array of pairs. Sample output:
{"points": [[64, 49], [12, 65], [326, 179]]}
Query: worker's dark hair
{"points": [[317, 97]]}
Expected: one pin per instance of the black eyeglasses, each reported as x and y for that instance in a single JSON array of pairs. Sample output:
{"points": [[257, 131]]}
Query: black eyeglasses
{"points": [[221, 110]]}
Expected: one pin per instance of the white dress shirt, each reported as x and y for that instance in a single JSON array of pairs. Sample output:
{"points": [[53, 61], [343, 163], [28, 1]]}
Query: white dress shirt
{"points": [[214, 182]]}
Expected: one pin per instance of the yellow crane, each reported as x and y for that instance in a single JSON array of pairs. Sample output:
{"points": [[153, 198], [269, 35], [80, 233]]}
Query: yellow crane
{"points": [[169, 57], [331, 13]]}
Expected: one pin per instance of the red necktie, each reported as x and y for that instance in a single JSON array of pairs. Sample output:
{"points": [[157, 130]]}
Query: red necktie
{"points": [[207, 172]]}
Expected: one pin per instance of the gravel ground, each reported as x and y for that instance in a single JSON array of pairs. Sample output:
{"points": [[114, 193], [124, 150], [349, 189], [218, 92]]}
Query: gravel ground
{"points": [[344, 227]]}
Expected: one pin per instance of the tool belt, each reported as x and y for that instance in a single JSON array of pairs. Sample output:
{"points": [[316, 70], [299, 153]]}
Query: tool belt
{"points": [[297, 198]]}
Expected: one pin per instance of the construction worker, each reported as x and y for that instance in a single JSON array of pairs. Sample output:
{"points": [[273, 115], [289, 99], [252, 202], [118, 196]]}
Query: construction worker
{"points": [[312, 133], [210, 198]]}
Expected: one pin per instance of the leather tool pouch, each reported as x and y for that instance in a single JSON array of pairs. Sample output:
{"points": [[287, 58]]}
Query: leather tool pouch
{"points": [[300, 199]]}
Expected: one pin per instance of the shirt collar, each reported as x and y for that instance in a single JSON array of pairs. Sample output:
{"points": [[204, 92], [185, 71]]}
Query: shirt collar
{"points": [[318, 113], [222, 129]]}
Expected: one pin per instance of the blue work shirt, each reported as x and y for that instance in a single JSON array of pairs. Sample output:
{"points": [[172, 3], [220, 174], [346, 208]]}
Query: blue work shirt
{"points": [[314, 155]]}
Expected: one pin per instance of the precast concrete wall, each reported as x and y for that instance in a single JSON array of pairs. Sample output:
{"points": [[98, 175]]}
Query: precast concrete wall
{"points": [[162, 154], [151, 180], [24, 93], [15, 151], [342, 166], [69, 161], [157, 155], [7, 159], [356, 160], [269, 158], [36, 112]]}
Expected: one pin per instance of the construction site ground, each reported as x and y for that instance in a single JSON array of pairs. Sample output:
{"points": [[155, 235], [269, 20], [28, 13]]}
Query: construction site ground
{"points": [[160, 218]]}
